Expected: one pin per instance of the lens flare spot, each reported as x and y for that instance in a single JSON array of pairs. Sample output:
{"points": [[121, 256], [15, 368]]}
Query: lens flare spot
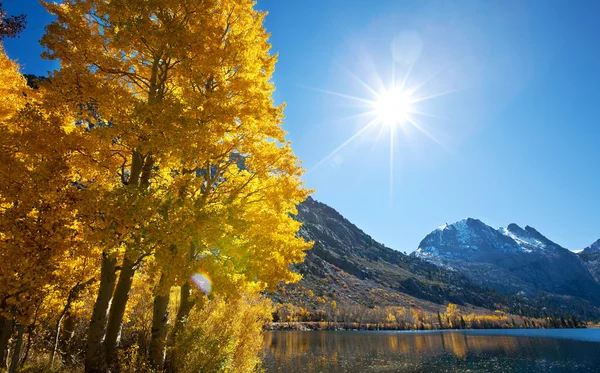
{"points": [[202, 282]]}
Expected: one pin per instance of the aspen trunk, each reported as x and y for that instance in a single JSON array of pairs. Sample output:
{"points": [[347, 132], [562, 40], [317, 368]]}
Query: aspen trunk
{"points": [[16, 356], [185, 300], [6, 329], [27, 348], [56, 339], [160, 318], [95, 358], [67, 333], [141, 173], [117, 309], [185, 306]]}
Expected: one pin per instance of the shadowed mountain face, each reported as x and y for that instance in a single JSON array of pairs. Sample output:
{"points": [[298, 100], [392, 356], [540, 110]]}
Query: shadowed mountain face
{"points": [[591, 257], [348, 266], [511, 260]]}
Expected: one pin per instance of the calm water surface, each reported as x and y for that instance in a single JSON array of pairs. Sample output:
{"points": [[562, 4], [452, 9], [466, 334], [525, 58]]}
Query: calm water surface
{"points": [[527, 351]]}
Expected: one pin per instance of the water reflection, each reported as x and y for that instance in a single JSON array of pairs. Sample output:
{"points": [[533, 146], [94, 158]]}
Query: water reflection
{"points": [[293, 352]]}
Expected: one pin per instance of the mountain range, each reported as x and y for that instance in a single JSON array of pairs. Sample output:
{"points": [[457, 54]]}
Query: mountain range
{"points": [[467, 263], [512, 260]]}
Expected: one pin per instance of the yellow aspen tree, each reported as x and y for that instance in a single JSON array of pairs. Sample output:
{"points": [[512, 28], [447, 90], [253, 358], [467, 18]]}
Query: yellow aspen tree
{"points": [[40, 239], [173, 95], [452, 312], [12, 100]]}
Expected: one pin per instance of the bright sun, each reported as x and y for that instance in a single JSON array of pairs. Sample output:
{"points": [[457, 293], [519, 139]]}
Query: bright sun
{"points": [[397, 106], [393, 106]]}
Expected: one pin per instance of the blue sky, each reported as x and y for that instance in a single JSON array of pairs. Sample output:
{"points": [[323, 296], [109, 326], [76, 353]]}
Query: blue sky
{"points": [[511, 133]]}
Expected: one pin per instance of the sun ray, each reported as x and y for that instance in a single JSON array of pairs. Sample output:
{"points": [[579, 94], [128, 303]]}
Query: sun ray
{"points": [[426, 133], [343, 145], [435, 95], [369, 113], [382, 129], [349, 97], [429, 115], [368, 64], [406, 76], [361, 82], [416, 88]]}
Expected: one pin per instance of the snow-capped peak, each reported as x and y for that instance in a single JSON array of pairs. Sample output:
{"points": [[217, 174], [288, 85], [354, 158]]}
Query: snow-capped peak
{"points": [[526, 241], [470, 237], [593, 248]]}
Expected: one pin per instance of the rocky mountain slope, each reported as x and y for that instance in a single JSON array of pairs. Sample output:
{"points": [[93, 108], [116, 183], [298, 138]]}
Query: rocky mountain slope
{"points": [[511, 260], [591, 257], [348, 266]]}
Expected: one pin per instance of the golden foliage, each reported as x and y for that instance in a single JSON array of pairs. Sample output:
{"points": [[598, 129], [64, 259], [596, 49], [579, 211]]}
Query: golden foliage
{"points": [[13, 89], [452, 310], [42, 248], [224, 336], [156, 144], [192, 123]]}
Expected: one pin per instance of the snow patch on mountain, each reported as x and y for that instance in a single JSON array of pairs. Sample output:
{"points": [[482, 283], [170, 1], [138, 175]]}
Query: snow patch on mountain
{"points": [[527, 243], [464, 232]]}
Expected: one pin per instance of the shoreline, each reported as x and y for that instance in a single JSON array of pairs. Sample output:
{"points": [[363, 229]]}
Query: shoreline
{"points": [[329, 326]]}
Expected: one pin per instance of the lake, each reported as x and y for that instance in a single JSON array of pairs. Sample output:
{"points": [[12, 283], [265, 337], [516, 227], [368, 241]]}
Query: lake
{"points": [[527, 351]]}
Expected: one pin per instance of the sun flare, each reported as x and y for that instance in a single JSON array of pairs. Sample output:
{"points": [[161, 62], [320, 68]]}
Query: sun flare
{"points": [[393, 107], [389, 109]]}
